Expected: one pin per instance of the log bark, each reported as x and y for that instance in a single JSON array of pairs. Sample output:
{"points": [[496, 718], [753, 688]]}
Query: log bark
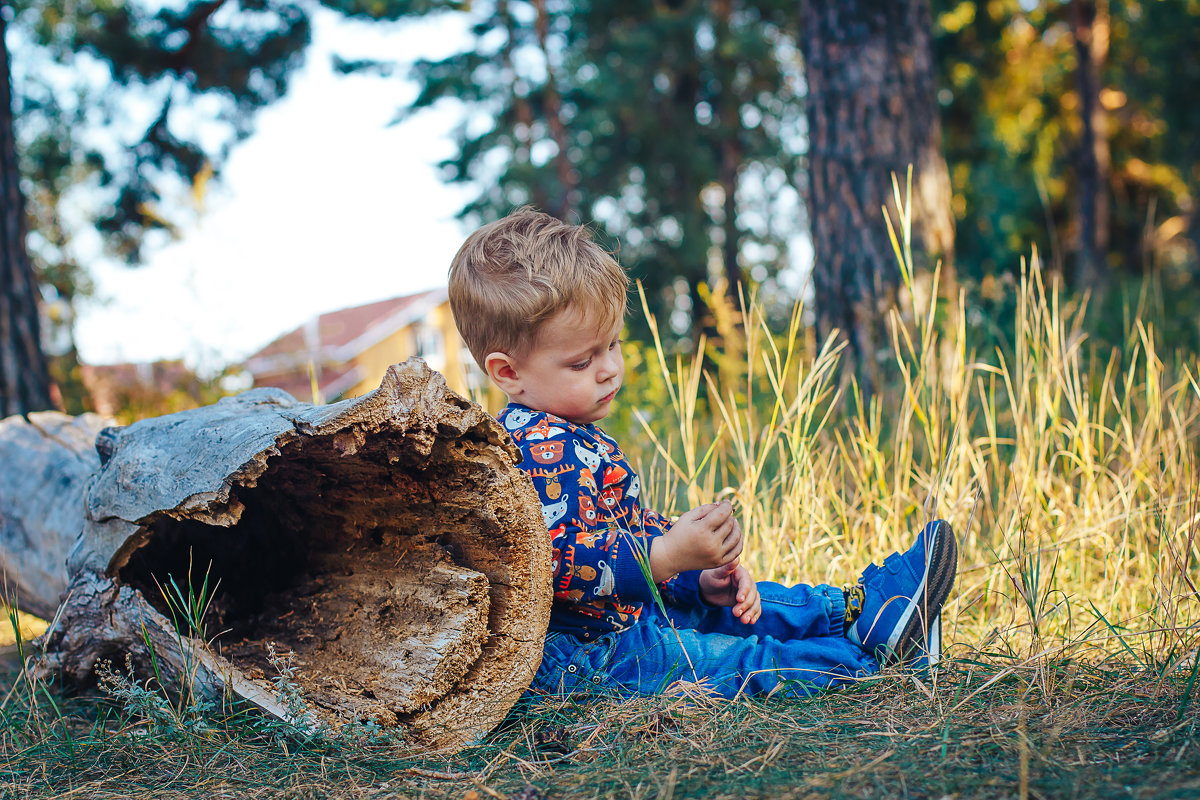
{"points": [[390, 542], [46, 460]]}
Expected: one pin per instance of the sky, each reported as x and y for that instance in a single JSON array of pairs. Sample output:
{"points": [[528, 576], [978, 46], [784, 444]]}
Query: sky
{"points": [[324, 207]]}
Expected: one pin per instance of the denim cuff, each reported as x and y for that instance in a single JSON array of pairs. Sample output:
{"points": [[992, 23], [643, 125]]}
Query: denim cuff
{"points": [[837, 610]]}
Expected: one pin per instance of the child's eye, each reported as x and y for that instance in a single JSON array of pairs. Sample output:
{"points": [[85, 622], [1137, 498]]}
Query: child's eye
{"points": [[615, 342], [582, 365]]}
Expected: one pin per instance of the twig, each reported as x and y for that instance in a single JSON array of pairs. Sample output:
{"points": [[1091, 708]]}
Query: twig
{"points": [[439, 776]]}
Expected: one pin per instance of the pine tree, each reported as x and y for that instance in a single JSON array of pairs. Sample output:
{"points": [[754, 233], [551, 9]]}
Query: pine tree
{"points": [[674, 126], [24, 380], [171, 88], [871, 114]]}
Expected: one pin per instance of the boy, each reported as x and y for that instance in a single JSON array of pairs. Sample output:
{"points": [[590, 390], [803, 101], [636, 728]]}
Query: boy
{"points": [[540, 306]]}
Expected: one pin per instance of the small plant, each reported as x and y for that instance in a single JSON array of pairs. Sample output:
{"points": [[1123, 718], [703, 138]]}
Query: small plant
{"points": [[189, 607], [140, 701], [1032, 575], [287, 690]]}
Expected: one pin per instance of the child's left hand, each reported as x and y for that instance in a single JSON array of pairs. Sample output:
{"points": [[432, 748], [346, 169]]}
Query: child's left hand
{"points": [[731, 585]]}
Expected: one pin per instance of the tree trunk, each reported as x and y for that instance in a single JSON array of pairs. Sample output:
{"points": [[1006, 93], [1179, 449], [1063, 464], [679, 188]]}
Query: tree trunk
{"points": [[871, 112], [728, 114], [24, 379], [390, 542], [1089, 22], [563, 205]]}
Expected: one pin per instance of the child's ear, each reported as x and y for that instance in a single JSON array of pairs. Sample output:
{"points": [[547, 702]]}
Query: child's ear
{"points": [[503, 372]]}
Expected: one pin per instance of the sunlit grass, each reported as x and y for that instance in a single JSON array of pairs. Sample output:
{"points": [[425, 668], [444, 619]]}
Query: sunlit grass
{"points": [[1070, 475], [25, 626]]}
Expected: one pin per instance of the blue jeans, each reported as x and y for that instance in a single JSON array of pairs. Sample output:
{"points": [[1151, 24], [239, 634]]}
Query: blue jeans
{"points": [[796, 648]]}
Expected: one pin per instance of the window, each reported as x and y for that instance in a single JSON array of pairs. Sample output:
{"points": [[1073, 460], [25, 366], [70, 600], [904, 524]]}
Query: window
{"points": [[431, 345]]}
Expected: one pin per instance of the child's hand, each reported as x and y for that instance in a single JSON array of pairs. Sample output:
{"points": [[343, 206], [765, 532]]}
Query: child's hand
{"points": [[705, 537], [731, 585]]}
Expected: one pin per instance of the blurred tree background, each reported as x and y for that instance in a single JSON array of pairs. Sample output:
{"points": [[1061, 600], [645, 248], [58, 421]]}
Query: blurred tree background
{"points": [[1069, 126], [682, 128], [119, 113], [689, 131], [676, 126]]}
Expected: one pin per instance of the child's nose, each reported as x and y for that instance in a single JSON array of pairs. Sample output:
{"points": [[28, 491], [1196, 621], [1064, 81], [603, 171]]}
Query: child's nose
{"points": [[608, 367]]}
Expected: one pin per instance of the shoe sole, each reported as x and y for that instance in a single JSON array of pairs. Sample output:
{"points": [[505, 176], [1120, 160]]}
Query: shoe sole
{"points": [[927, 601]]}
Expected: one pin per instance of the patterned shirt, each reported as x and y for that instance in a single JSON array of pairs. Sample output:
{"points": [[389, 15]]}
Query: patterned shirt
{"points": [[599, 530]]}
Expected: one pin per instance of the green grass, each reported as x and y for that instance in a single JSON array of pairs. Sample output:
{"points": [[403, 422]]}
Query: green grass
{"points": [[987, 728]]}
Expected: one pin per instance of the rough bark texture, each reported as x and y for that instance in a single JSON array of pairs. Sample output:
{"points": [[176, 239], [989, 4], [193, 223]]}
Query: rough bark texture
{"points": [[389, 542], [871, 112], [24, 379], [46, 460]]}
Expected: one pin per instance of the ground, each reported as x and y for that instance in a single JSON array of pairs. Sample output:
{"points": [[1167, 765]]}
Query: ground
{"points": [[979, 729]]}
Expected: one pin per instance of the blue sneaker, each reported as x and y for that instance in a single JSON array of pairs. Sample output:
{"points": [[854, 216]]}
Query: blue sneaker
{"points": [[902, 599], [925, 658]]}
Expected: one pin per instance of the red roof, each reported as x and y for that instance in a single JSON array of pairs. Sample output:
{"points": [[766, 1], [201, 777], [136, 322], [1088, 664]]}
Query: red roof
{"points": [[339, 328], [331, 341]]}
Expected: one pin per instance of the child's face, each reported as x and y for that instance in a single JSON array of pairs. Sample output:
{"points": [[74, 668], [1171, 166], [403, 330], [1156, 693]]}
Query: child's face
{"points": [[573, 370]]}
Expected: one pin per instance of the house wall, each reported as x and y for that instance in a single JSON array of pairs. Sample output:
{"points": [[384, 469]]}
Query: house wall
{"points": [[406, 342]]}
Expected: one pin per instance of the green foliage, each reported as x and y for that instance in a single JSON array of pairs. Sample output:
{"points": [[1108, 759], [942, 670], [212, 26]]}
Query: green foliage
{"points": [[672, 125], [170, 87], [139, 701], [1011, 118], [633, 115]]}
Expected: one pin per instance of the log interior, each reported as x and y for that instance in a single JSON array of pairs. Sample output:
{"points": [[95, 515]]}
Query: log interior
{"points": [[350, 552]]}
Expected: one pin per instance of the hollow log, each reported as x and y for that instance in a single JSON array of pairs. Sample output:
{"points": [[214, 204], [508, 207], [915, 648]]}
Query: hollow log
{"points": [[388, 543], [46, 460]]}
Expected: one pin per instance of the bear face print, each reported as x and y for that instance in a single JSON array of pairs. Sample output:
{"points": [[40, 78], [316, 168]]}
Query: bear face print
{"points": [[554, 512], [587, 456], [587, 508], [610, 497], [517, 418], [546, 452]]}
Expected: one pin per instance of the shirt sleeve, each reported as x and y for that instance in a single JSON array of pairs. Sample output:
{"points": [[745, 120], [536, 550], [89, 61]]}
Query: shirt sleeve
{"points": [[681, 590]]}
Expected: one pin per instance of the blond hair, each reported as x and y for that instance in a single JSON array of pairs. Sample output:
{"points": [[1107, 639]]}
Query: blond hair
{"points": [[512, 275]]}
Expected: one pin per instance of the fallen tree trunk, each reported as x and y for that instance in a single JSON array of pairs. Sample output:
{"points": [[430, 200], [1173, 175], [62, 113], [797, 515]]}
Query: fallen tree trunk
{"points": [[46, 460], [389, 542]]}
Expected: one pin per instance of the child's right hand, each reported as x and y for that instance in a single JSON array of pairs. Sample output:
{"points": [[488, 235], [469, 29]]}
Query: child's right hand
{"points": [[708, 536]]}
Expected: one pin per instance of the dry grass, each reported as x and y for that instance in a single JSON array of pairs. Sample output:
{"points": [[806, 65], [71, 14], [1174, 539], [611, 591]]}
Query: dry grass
{"points": [[1071, 479], [1070, 475]]}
